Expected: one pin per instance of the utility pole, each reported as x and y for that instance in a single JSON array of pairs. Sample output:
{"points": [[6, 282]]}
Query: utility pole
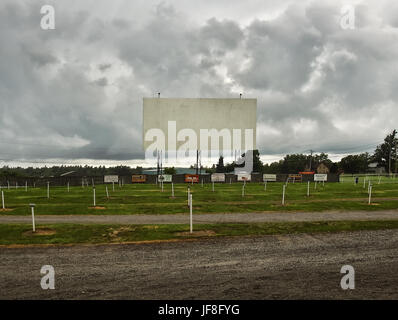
{"points": [[200, 162], [311, 159], [389, 161], [157, 165], [396, 158], [197, 161]]}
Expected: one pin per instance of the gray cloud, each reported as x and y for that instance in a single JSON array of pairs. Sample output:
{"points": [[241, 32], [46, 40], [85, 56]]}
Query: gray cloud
{"points": [[76, 92]]}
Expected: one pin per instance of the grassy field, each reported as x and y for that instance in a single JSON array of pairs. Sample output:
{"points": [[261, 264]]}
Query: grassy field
{"points": [[77, 233], [148, 199]]}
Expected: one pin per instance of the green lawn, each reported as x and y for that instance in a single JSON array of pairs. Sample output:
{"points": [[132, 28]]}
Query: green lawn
{"points": [[148, 199], [77, 233]]}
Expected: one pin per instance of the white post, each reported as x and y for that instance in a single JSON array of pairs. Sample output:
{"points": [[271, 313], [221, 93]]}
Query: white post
{"points": [[202, 182], [192, 180], [92, 182], [26, 185], [379, 179], [107, 192], [364, 182], [265, 185], [230, 180], [94, 195], [283, 195], [16, 184], [172, 189], [323, 183], [370, 194], [190, 213], [2, 199], [68, 186], [82, 183], [113, 186], [48, 190], [308, 189], [162, 184], [33, 217], [213, 186], [243, 191], [189, 192]]}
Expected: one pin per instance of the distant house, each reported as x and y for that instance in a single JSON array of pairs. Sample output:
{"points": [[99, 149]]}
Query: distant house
{"points": [[322, 168], [375, 168]]}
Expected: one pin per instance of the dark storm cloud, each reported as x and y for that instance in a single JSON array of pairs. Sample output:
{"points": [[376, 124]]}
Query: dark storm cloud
{"points": [[76, 92]]}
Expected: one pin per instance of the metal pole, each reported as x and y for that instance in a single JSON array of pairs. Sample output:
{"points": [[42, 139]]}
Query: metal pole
{"points": [[243, 191], [33, 217], [190, 213], [172, 189], [2, 199], [107, 193], [113, 186], [308, 188], [189, 192], [68, 186], [213, 185], [265, 185], [94, 195], [370, 194], [283, 195], [26, 185], [48, 190]]}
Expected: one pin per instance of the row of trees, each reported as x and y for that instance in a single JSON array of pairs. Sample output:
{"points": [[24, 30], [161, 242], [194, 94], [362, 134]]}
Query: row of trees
{"points": [[56, 171], [385, 156]]}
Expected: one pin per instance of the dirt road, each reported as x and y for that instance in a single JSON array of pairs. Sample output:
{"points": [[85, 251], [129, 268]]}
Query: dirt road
{"points": [[269, 267], [207, 218]]}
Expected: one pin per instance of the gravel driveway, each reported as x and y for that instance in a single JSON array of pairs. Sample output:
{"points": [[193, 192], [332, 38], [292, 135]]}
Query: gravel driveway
{"points": [[268, 267]]}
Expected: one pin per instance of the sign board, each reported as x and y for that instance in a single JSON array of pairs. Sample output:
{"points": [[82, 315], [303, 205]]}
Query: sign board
{"points": [[111, 178], [269, 177], [218, 177], [165, 178], [138, 178], [192, 177], [244, 176], [320, 177]]}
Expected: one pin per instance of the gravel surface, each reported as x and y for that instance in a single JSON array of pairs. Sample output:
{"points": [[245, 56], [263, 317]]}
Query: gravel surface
{"points": [[268, 267], [207, 218]]}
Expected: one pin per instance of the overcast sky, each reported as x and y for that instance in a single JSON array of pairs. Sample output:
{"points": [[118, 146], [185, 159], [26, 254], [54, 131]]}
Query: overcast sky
{"points": [[74, 94]]}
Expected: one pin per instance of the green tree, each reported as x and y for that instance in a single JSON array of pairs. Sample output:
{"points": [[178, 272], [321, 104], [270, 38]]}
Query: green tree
{"points": [[171, 170], [220, 165], [355, 163], [385, 153]]}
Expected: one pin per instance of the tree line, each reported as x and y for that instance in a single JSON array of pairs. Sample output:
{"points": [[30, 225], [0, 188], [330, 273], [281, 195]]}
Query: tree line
{"points": [[385, 155]]}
